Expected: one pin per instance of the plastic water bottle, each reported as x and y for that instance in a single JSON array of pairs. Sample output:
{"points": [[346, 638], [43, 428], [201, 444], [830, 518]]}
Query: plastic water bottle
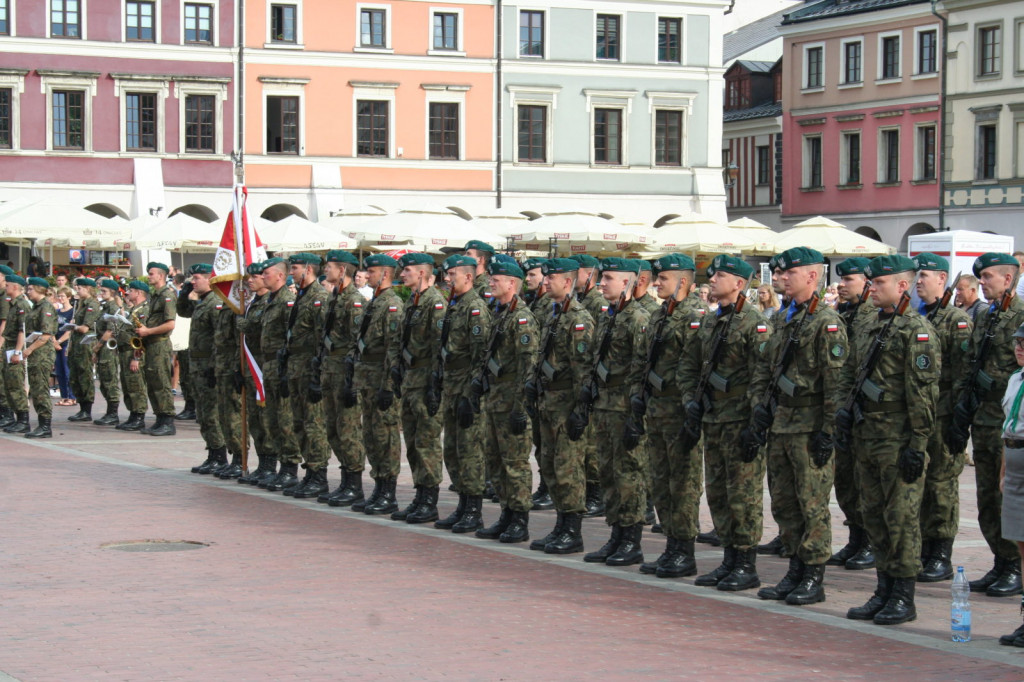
{"points": [[960, 613]]}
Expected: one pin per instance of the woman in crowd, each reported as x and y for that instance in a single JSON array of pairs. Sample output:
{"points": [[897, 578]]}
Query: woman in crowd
{"points": [[767, 300], [65, 309]]}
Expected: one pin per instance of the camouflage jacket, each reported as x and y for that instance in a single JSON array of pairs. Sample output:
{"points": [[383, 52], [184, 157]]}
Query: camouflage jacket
{"points": [[420, 337], [17, 315], [200, 332], [345, 307], [953, 327], [125, 332], [568, 362], [376, 345], [482, 285], [161, 308], [620, 372], [999, 362], [107, 307], [468, 328], [87, 314], [539, 305], [594, 303], [648, 303], [5, 308], [678, 338], [511, 364], [225, 339], [43, 319], [305, 323], [274, 321], [249, 323]]}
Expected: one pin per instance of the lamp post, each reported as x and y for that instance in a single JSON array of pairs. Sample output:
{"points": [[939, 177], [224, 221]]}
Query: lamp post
{"points": [[729, 175]]}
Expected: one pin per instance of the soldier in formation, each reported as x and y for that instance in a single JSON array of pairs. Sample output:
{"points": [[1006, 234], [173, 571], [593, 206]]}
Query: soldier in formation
{"points": [[155, 335]]}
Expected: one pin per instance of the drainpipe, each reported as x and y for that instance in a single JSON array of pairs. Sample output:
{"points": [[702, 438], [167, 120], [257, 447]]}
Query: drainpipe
{"points": [[240, 95], [942, 119], [498, 86]]}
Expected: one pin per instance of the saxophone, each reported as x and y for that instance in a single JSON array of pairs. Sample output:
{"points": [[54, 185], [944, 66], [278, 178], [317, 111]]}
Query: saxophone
{"points": [[136, 341]]}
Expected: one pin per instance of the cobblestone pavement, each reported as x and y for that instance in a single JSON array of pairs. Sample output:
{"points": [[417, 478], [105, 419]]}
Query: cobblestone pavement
{"points": [[289, 589]]}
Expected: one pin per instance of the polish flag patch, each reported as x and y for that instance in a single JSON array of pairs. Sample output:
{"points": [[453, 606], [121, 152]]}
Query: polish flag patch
{"points": [[832, 327], [474, 312], [961, 325], [580, 327], [219, 306], [316, 304], [392, 308], [289, 303], [438, 306], [695, 325], [523, 320], [357, 304], [923, 337], [49, 314], [762, 328]]}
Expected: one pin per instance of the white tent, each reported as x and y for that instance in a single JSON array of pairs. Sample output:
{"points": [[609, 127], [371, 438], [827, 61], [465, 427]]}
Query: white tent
{"points": [[181, 232], [575, 232], [831, 238], [56, 224], [295, 233], [430, 228], [763, 236], [697, 234]]}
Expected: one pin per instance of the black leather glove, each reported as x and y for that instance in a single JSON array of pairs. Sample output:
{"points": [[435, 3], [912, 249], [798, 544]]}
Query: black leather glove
{"points": [[632, 434], [956, 437], [963, 412], [385, 399], [397, 378], [282, 356], [844, 430], [211, 377], [576, 425], [531, 392], [689, 435], [186, 289], [750, 445], [238, 380], [283, 388], [910, 464], [433, 401], [517, 423], [587, 394], [465, 413], [638, 405], [314, 392], [348, 395], [477, 388], [821, 448], [694, 411], [761, 418]]}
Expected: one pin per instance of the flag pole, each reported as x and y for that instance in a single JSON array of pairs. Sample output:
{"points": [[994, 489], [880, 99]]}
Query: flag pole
{"points": [[239, 251]]}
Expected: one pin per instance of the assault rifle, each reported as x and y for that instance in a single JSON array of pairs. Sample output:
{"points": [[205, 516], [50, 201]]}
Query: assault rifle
{"points": [[399, 370], [654, 351], [315, 391], [436, 384], [770, 399], [535, 388], [481, 384], [946, 297]]}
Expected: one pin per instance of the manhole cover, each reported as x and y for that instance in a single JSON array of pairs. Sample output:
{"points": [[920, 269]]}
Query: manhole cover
{"points": [[155, 545]]}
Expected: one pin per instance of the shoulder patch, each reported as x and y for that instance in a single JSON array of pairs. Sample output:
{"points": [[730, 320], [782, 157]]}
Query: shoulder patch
{"points": [[316, 304], [219, 306], [832, 327], [580, 327], [357, 304], [440, 324], [581, 347], [964, 344], [289, 303], [961, 325], [474, 312], [762, 329], [438, 306], [838, 350], [604, 309], [922, 337], [695, 325], [523, 320], [392, 308], [524, 339], [476, 330], [923, 361]]}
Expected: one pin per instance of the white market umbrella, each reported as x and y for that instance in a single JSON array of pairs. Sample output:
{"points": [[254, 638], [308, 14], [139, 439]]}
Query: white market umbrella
{"points": [[64, 224], [576, 232], [831, 238], [181, 232], [763, 236], [295, 234], [431, 228], [697, 234]]}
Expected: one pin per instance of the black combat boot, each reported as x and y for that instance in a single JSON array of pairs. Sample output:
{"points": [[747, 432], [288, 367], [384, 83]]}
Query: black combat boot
{"points": [[403, 514], [864, 558], [681, 563], [852, 545], [649, 516], [900, 607], [426, 511], [351, 493], [164, 426], [84, 413], [188, 413], [490, 493], [41, 431], [594, 500], [206, 464], [518, 529], [286, 478], [542, 498], [361, 505], [269, 474], [493, 531], [134, 422], [6, 417], [20, 425], [986, 581], [607, 549], [810, 590], [233, 469], [710, 538], [570, 536], [725, 568], [316, 484], [110, 418], [539, 544], [326, 495], [448, 522], [629, 551], [772, 548], [472, 517], [218, 458], [1008, 582], [744, 572], [289, 492], [876, 603], [939, 564], [387, 501], [788, 583], [651, 567], [253, 476]]}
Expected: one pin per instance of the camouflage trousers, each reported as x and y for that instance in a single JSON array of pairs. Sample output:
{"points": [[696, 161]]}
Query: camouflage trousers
{"points": [[133, 384], [675, 473], [80, 372], [382, 440], [184, 380], [592, 461], [561, 461], [277, 416], [307, 418], [14, 387], [622, 472], [847, 487], [344, 424], [159, 365], [940, 502], [463, 449], [890, 507], [207, 411], [508, 459], [422, 438], [988, 458], [229, 411], [40, 366], [107, 373], [254, 420], [735, 489], [800, 497]]}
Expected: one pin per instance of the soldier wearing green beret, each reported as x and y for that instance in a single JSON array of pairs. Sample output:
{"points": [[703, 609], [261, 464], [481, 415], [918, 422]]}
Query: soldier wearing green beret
{"points": [[977, 411], [940, 502], [132, 360], [87, 314], [6, 415], [156, 341], [482, 253], [640, 290], [104, 357], [14, 342], [890, 444], [717, 397], [255, 403], [540, 304], [39, 353], [230, 384]]}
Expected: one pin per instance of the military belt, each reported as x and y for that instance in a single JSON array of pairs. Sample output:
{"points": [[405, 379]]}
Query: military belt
{"points": [[154, 337], [339, 351], [458, 363], [200, 355], [731, 393], [811, 400], [559, 385], [1014, 443], [505, 378], [885, 406], [372, 357], [614, 381]]}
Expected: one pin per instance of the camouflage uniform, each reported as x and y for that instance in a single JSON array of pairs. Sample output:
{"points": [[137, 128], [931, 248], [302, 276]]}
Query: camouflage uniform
{"points": [[540, 306], [255, 421], [5, 309], [43, 319], [159, 359], [277, 416], [594, 303], [227, 364], [648, 303], [857, 318], [87, 314], [305, 331], [133, 384], [482, 286], [106, 359], [201, 363], [344, 426], [14, 375]]}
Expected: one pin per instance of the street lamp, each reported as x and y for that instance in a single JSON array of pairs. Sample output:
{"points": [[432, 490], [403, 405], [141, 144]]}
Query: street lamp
{"points": [[729, 175]]}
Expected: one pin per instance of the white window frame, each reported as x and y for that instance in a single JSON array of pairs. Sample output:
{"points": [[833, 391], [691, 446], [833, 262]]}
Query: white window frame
{"points": [[48, 82], [284, 87], [545, 33], [83, 13], [918, 30], [918, 151], [157, 24], [460, 46], [11, 16], [1000, 58], [445, 94], [843, 83], [157, 86], [198, 87], [376, 91], [879, 78], [979, 151], [682, 36], [215, 19], [622, 36], [671, 101], [610, 99], [269, 38], [805, 73], [16, 82], [540, 96], [359, 47], [844, 157], [805, 168], [883, 160]]}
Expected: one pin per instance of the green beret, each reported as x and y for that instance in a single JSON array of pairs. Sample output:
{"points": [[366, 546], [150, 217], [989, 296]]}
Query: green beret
{"points": [[15, 279], [478, 245], [254, 268], [852, 266], [408, 259], [931, 261], [556, 266], [39, 282], [141, 286], [773, 262], [585, 261], [289, 281], [987, 260], [1019, 334], [496, 267], [505, 258], [82, 282], [533, 263], [110, 284], [458, 261], [154, 264], [890, 265], [304, 258], [339, 256], [380, 260], [6, 271], [620, 265], [673, 261], [731, 264], [200, 269], [798, 256], [645, 265], [271, 262]]}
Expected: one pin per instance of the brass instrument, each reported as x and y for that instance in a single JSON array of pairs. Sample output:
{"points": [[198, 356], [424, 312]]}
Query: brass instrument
{"points": [[136, 341]]}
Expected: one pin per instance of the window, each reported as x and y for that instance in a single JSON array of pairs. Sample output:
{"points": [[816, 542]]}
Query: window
{"points": [[812, 162], [372, 128], [926, 153], [852, 62], [372, 27], [986, 152], [608, 36], [5, 17], [669, 31], [889, 157], [989, 50], [850, 162], [446, 31], [65, 19], [6, 119], [890, 57], [68, 119], [533, 126], [608, 136], [444, 130], [668, 138], [737, 93], [927, 51], [531, 33], [139, 21], [200, 111], [198, 23], [283, 23], [763, 165], [140, 121], [814, 63]]}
